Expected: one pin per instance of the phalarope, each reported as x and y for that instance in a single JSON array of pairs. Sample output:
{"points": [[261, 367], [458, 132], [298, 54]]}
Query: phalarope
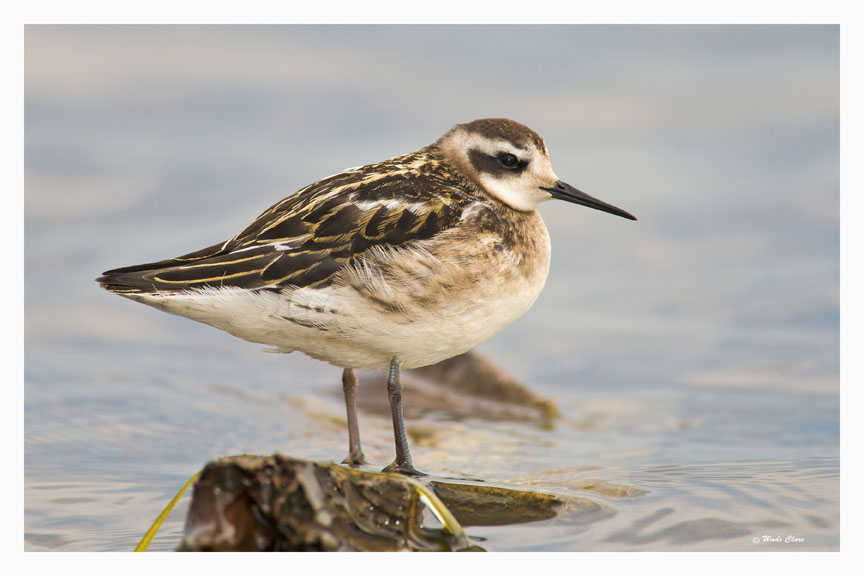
{"points": [[398, 264]]}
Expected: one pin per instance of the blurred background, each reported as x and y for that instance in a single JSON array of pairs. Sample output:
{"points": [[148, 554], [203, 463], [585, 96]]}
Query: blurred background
{"points": [[693, 355]]}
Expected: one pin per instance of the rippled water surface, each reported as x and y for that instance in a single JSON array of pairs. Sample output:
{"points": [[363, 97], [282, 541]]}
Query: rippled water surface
{"points": [[693, 355]]}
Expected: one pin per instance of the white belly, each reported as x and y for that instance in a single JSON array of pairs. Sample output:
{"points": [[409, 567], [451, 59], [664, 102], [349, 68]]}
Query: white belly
{"points": [[419, 306]]}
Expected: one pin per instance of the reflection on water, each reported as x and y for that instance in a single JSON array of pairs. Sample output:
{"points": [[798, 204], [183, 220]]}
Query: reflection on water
{"points": [[692, 356]]}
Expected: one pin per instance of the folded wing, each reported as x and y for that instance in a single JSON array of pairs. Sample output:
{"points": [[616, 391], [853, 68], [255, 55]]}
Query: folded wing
{"points": [[304, 240]]}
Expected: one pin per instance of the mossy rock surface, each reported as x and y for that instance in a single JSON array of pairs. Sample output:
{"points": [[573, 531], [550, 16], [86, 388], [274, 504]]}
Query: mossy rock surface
{"points": [[279, 503]]}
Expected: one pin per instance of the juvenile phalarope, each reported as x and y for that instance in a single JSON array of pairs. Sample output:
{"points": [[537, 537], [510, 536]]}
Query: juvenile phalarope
{"points": [[398, 264]]}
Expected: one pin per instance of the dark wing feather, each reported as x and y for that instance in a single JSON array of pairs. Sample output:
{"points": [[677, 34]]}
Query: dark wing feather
{"points": [[305, 239]]}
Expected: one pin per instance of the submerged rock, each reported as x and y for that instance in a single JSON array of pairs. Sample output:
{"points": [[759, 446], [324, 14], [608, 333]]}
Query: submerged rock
{"points": [[476, 389], [484, 505]]}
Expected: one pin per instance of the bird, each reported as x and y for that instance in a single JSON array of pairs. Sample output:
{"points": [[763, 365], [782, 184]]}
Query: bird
{"points": [[394, 265]]}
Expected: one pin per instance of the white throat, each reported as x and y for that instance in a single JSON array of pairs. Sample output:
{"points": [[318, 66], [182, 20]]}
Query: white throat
{"points": [[515, 193]]}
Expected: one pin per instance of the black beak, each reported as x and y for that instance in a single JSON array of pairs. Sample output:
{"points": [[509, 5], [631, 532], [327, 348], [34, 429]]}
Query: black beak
{"points": [[564, 191]]}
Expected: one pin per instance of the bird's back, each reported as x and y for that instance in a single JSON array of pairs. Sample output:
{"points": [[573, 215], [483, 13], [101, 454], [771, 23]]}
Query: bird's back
{"points": [[307, 238]]}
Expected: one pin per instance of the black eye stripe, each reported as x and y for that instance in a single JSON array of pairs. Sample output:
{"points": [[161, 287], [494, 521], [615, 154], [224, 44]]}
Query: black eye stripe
{"points": [[486, 163]]}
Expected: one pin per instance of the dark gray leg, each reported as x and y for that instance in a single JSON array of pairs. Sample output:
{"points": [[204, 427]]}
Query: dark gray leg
{"points": [[349, 387], [402, 463]]}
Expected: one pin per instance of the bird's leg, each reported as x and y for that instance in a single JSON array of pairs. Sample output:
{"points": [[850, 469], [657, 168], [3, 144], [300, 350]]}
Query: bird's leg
{"points": [[402, 463], [349, 387]]}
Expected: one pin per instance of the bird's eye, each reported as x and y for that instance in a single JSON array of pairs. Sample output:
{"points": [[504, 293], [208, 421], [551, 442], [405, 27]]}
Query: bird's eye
{"points": [[508, 160]]}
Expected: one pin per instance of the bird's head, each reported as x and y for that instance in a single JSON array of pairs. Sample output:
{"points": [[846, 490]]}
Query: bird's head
{"points": [[510, 162]]}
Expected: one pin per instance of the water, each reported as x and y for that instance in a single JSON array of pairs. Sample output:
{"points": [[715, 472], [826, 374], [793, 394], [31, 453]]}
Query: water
{"points": [[694, 355]]}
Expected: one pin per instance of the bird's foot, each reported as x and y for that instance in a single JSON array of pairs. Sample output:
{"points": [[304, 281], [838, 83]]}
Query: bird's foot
{"points": [[354, 460], [406, 468]]}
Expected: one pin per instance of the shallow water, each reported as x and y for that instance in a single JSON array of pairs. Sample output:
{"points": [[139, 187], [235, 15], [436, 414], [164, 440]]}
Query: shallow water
{"points": [[693, 355]]}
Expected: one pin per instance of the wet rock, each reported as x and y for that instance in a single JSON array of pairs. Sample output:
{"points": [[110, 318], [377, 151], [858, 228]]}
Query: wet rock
{"points": [[277, 503]]}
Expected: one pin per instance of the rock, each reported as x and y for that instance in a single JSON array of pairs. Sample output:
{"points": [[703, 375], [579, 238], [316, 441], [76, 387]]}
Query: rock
{"points": [[476, 388], [278, 503]]}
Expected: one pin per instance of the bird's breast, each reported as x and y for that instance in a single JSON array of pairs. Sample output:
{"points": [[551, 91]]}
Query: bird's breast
{"points": [[444, 296]]}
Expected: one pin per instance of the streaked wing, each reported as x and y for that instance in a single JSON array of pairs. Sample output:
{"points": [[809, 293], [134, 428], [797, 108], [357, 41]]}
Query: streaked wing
{"points": [[305, 239]]}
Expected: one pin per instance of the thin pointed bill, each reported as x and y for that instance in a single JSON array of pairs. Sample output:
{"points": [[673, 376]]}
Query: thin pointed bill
{"points": [[568, 193]]}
